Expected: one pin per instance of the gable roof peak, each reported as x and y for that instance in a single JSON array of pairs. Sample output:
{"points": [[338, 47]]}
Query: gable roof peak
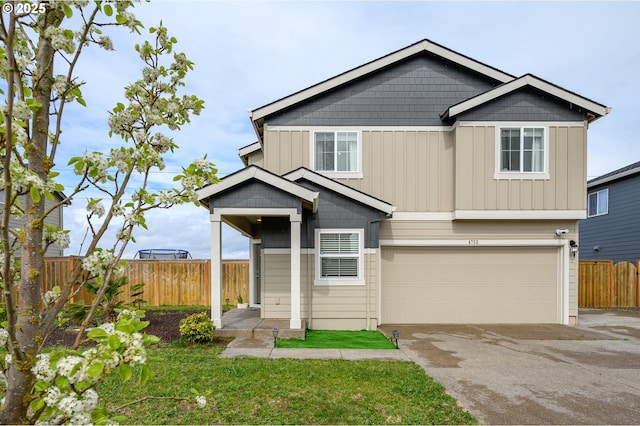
{"points": [[258, 115]]}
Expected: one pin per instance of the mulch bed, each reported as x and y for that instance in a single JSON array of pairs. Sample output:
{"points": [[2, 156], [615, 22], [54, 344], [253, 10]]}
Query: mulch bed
{"points": [[164, 324]]}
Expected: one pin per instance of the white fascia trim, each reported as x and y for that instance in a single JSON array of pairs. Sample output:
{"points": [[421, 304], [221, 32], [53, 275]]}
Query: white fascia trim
{"points": [[217, 215], [422, 216], [340, 189], [261, 175], [474, 243], [527, 80], [520, 124], [256, 146], [375, 65], [365, 128], [520, 214], [614, 177]]}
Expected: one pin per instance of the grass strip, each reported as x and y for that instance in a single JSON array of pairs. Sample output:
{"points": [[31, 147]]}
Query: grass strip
{"points": [[340, 339], [283, 391]]}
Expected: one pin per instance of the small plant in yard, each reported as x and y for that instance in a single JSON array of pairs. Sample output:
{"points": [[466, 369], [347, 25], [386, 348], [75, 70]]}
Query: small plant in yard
{"points": [[240, 299], [197, 328]]}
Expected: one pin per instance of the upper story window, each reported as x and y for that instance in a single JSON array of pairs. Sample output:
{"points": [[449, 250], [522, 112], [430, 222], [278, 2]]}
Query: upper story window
{"points": [[522, 151], [339, 257], [598, 203], [336, 151]]}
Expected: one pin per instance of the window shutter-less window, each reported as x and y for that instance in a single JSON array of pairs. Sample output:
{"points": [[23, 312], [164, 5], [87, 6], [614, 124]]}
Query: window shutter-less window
{"points": [[339, 254]]}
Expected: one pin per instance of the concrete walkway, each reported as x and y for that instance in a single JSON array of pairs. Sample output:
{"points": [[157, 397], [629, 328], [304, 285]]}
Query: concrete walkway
{"points": [[263, 348]]}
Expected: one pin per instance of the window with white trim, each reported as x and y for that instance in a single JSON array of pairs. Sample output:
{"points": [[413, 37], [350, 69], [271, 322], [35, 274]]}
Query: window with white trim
{"points": [[336, 151], [598, 203], [339, 256], [522, 150]]}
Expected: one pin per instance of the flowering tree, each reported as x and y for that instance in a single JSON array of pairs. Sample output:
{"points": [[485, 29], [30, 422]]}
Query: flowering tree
{"points": [[41, 45]]}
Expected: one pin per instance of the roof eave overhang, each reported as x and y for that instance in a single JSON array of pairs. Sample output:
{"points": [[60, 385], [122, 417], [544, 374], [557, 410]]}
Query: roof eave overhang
{"points": [[361, 197], [245, 151], [594, 109], [254, 172]]}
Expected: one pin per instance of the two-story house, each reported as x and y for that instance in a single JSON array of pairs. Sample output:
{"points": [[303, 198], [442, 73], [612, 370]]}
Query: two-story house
{"points": [[421, 187], [611, 229]]}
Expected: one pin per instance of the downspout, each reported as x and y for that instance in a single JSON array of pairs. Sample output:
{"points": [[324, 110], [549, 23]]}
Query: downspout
{"points": [[368, 285]]}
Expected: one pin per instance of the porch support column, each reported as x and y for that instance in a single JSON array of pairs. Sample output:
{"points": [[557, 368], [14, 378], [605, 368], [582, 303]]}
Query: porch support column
{"points": [[216, 271], [295, 322]]}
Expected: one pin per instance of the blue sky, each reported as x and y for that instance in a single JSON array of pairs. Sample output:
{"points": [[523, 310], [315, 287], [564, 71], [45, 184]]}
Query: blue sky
{"points": [[250, 53]]}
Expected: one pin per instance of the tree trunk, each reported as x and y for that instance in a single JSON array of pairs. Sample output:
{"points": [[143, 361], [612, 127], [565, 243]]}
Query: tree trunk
{"points": [[20, 379]]}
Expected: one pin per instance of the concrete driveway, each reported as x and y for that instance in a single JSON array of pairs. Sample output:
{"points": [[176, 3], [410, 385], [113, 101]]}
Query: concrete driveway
{"points": [[536, 374]]}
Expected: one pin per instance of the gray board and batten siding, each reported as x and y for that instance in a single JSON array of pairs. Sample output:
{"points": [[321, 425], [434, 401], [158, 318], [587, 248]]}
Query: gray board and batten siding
{"points": [[416, 92], [616, 235]]}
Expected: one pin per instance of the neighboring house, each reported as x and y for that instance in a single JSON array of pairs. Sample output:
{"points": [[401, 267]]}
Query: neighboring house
{"points": [[421, 187], [56, 218], [612, 229]]}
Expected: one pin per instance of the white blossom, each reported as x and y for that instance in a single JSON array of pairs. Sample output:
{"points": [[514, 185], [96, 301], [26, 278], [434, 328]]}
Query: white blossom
{"points": [[98, 262], [4, 335], [96, 208], [201, 401], [42, 369], [60, 40]]}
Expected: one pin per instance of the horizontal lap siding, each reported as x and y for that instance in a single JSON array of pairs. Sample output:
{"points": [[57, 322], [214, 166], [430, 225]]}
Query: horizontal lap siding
{"points": [[276, 281], [332, 306]]}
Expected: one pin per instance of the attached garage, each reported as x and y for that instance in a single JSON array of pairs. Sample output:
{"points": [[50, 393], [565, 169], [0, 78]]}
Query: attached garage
{"points": [[422, 285]]}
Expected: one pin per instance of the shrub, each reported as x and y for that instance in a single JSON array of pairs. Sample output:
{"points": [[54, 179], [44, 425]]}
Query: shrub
{"points": [[197, 328]]}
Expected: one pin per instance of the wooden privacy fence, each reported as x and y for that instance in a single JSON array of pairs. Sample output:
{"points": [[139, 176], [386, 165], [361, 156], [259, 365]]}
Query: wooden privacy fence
{"points": [[605, 285], [166, 282]]}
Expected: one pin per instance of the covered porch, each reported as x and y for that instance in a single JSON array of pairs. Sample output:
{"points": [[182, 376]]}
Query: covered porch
{"points": [[254, 202], [248, 324]]}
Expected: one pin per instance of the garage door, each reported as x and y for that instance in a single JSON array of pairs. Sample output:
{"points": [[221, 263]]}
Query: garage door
{"points": [[470, 285]]}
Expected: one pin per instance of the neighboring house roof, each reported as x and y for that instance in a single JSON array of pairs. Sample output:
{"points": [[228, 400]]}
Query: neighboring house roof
{"points": [[325, 182], [62, 197], [595, 110], [630, 170], [255, 172]]}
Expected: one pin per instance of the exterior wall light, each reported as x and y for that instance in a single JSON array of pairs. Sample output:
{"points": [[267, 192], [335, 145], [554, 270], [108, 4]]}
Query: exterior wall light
{"points": [[574, 247]]}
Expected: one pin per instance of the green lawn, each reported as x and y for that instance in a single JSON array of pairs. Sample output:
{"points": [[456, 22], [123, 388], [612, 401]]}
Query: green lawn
{"points": [[283, 391], [340, 339]]}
